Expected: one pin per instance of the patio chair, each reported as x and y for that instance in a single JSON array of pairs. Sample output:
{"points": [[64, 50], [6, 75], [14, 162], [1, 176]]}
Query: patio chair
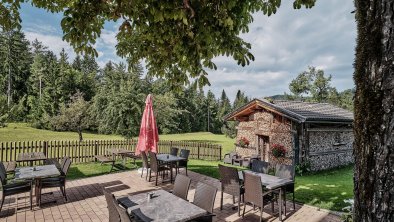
{"points": [[183, 163], [145, 165], [59, 181], [204, 197], [229, 157], [9, 189], [55, 162], [260, 166], [10, 167], [286, 172], [181, 186], [156, 167], [174, 151], [247, 161], [231, 184], [255, 195], [116, 213]]}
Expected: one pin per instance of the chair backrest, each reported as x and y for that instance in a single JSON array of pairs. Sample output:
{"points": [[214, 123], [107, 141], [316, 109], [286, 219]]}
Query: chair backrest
{"points": [[66, 165], [253, 189], [260, 166], [62, 162], [233, 155], [112, 210], [285, 171], [145, 163], [124, 216], [174, 151], [3, 174], [153, 162], [185, 153], [181, 186], [230, 181], [204, 196]]}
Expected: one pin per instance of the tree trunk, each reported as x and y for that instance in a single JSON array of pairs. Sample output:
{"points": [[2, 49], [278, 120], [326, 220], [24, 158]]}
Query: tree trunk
{"points": [[80, 134], [9, 85], [374, 111]]}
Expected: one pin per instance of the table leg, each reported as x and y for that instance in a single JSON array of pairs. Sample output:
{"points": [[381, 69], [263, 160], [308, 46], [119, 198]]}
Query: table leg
{"points": [[171, 172], [280, 204]]}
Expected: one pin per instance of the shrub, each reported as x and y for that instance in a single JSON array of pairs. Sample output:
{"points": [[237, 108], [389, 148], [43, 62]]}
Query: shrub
{"points": [[302, 168], [278, 150]]}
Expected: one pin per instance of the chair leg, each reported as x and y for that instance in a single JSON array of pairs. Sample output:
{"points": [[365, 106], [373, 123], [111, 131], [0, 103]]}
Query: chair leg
{"points": [[233, 199], [261, 214], [272, 206], [150, 175], [157, 176], [221, 201], [31, 199], [293, 202], [142, 173], [243, 213], [147, 171], [65, 194], [284, 198], [2, 201], [186, 170], [239, 205]]}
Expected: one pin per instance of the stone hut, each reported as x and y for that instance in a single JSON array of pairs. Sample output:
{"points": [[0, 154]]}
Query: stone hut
{"points": [[319, 133]]}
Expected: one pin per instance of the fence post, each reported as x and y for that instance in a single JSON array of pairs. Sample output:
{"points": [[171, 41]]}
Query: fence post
{"points": [[95, 150], [198, 151], [220, 152], [45, 148]]}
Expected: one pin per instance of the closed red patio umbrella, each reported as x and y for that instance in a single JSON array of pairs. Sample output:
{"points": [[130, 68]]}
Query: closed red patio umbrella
{"points": [[149, 136]]}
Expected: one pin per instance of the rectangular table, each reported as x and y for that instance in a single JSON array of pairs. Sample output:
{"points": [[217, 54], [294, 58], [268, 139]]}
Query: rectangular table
{"points": [[169, 159], [120, 152], [271, 182], [30, 157], [35, 174], [163, 206]]}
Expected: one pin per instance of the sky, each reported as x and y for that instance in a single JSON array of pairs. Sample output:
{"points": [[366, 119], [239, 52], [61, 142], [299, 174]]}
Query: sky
{"points": [[283, 45]]}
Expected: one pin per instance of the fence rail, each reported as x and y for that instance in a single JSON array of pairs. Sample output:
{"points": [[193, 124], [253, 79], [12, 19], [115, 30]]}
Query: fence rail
{"points": [[85, 151]]}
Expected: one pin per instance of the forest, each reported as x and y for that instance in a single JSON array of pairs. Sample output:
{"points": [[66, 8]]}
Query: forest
{"points": [[52, 92]]}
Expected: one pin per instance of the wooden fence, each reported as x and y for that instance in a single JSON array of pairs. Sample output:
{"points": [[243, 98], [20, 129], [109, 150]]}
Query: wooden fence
{"points": [[85, 151]]}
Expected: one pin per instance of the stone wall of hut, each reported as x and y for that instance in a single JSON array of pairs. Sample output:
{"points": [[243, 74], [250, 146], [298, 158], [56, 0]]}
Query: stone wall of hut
{"points": [[330, 149], [265, 123]]}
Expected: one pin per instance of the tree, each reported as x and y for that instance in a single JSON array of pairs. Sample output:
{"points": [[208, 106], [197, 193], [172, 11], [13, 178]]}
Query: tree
{"points": [[73, 116], [15, 65], [301, 85], [374, 111], [177, 39]]}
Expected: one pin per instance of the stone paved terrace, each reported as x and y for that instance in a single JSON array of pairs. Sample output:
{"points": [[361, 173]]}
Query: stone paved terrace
{"points": [[87, 203]]}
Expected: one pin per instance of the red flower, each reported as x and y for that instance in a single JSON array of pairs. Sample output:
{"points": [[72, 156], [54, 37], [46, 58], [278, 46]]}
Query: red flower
{"points": [[243, 141], [278, 150]]}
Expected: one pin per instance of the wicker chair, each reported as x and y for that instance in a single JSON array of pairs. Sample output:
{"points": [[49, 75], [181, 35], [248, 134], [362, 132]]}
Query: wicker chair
{"points": [[156, 167], [174, 151], [12, 188], [254, 194], [59, 181], [183, 163], [145, 164], [111, 205], [247, 161], [181, 186], [229, 157], [260, 166], [230, 184], [204, 197], [287, 172]]}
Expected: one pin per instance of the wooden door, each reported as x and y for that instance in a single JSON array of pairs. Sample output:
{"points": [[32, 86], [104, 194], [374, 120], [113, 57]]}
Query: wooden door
{"points": [[263, 144]]}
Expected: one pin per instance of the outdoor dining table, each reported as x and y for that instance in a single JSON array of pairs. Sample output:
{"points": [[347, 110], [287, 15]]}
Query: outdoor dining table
{"points": [[162, 206], [169, 159], [31, 157], [35, 174], [271, 182], [120, 152]]}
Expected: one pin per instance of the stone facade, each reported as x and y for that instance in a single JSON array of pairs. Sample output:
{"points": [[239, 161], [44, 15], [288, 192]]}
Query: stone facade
{"points": [[275, 128], [330, 148]]}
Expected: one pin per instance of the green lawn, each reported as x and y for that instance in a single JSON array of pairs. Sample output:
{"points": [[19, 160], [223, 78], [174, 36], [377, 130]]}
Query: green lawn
{"points": [[23, 132], [325, 189]]}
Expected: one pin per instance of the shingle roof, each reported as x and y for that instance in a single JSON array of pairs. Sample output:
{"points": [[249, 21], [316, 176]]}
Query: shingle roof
{"points": [[302, 111], [315, 111]]}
